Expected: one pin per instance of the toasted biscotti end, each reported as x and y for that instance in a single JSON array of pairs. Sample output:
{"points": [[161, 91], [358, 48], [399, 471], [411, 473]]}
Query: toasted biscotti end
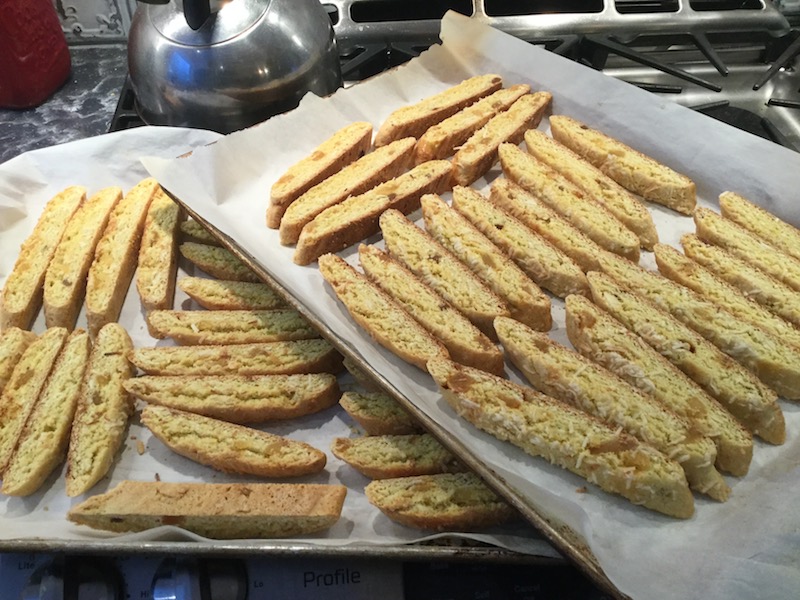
{"points": [[218, 262], [23, 290], [479, 153], [13, 343], [630, 168], [760, 222], [213, 294], [415, 119], [192, 231], [380, 316], [379, 414], [441, 502], [215, 510], [158, 253]]}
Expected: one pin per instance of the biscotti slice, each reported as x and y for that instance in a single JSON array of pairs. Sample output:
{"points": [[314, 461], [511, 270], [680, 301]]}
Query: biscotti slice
{"points": [[387, 456], [218, 262], [479, 153], [631, 169], [23, 388], [104, 409], [569, 201], [192, 231], [717, 230], [65, 282], [542, 220], [524, 298], [270, 358], [13, 343], [760, 222], [342, 148], [566, 437], [23, 290], [539, 259], [215, 510], [231, 448], [619, 202], [378, 413], [197, 327], [680, 269], [214, 294], [463, 340], [441, 502], [356, 218], [444, 273], [737, 389], [568, 376], [598, 336], [42, 445], [380, 316], [415, 119], [370, 170], [158, 254], [757, 285], [444, 138], [240, 398]]}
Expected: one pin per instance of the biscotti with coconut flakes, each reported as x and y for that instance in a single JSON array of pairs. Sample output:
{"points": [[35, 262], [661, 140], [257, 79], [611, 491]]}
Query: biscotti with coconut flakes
{"points": [[200, 327], [103, 411], [231, 448], [378, 413], [42, 445], [748, 399], [566, 437], [240, 399], [442, 271], [23, 289], [346, 145], [413, 120], [13, 343], [760, 222], [192, 231], [525, 300], [65, 282], [619, 202], [218, 262], [215, 510], [158, 254], [356, 218], [570, 201], [568, 376], [479, 153], [630, 168], [546, 265], [214, 294], [440, 502], [380, 316], [463, 340]]}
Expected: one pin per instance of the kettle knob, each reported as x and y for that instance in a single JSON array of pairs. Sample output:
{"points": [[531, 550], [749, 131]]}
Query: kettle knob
{"points": [[196, 12]]}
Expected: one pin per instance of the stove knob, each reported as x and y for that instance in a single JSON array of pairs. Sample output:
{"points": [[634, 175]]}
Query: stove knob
{"points": [[188, 578], [46, 582], [74, 578]]}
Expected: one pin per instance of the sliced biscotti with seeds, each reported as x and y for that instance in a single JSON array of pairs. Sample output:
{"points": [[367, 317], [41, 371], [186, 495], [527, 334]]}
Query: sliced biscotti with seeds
{"points": [[158, 254], [442, 271], [23, 289], [566, 437], [413, 120], [546, 265], [214, 294], [378, 413], [479, 153], [463, 340], [240, 398], [737, 389], [13, 343], [569, 201], [356, 218], [760, 222], [364, 174], [192, 231], [218, 262], [630, 168], [568, 376], [231, 448], [65, 282], [339, 150], [444, 138], [619, 202], [387, 456], [601, 338], [380, 316], [104, 409], [42, 445], [524, 298]]}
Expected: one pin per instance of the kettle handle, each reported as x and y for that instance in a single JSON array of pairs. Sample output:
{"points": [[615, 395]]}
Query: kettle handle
{"points": [[196, 12]]}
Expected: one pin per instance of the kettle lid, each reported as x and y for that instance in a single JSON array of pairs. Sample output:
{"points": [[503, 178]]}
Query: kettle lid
{"points": [[227, 19]]}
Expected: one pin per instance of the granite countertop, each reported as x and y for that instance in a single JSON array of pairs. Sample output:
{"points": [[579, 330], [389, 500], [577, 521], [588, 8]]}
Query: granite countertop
{"points": [[83, 107]]}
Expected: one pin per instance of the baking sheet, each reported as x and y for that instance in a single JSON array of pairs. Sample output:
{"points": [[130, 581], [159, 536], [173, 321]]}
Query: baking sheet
{"points": [[747, 547]]}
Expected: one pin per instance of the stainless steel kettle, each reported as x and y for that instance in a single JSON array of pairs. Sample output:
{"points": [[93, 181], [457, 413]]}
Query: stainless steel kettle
{"points": [[227, 64]]}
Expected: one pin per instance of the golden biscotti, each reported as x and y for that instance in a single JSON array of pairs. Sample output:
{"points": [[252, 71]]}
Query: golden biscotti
{"points": [[158, 254], [215, 294], [192, 231], [218, 262], [13, 343], [378, 413], [760, 222], [215, 510]]}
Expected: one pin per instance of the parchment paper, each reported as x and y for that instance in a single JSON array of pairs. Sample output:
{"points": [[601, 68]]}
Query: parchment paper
{"points": [[747, 547]]}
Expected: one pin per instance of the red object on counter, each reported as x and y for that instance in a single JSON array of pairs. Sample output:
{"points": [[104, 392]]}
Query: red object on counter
{"points": [[34, 58]]}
